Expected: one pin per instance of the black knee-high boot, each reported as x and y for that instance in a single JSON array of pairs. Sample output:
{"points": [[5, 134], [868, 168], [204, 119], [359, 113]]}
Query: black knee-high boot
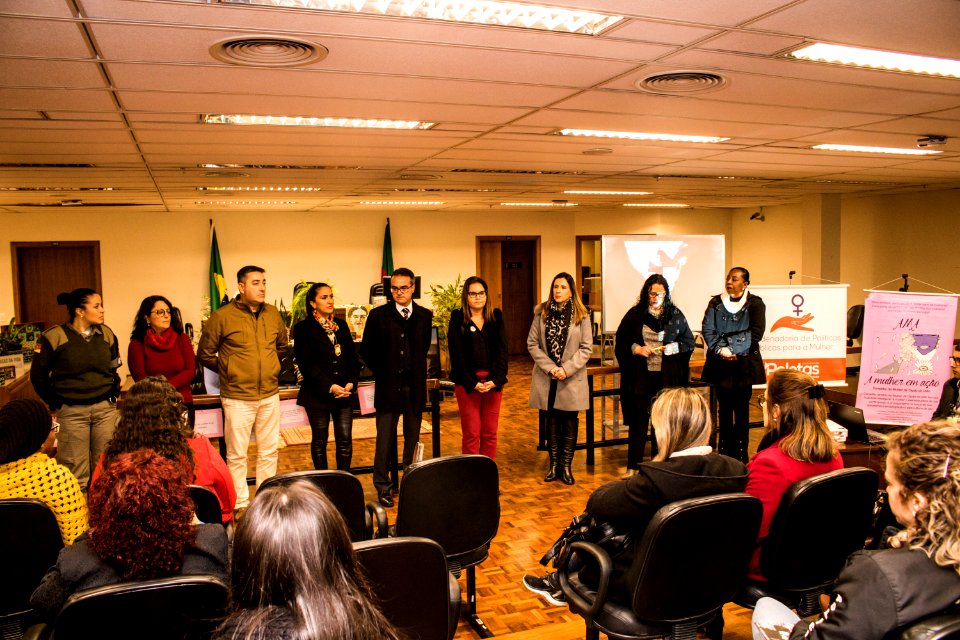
{"points": [[571, 427], [553, 443]]}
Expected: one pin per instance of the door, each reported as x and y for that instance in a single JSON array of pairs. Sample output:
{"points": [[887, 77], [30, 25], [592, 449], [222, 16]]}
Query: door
{"points": [[511, 267], [41, 270]]}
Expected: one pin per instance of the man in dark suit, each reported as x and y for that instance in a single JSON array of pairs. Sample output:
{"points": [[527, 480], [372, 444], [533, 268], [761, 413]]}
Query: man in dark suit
{"points": [[395, 344]]}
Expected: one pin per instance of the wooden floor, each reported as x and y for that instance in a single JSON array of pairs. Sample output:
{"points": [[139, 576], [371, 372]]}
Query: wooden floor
{"points": [[532, 513]]}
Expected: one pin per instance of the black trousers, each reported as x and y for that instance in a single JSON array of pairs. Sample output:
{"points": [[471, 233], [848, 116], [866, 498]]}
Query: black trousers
{"points": [[636, 413], [733, 409], [342, 416], [386, 439]]}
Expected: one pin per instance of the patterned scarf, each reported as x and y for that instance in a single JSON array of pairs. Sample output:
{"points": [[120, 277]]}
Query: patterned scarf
{"points": [[557, 325], [329, 325]]}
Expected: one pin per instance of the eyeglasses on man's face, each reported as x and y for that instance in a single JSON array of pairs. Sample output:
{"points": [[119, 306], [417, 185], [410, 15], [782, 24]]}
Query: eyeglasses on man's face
{"points": [[163, 313], [402, 289], [477, 294], [955, 359]]}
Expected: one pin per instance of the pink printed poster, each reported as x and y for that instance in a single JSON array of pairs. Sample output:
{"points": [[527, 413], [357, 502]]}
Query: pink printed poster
{"points": [[907, 344]]}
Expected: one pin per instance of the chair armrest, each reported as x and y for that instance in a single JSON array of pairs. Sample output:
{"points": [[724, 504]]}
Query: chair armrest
{"points": [[39, 631], [377, 513], [597, 554], [456, 602]]}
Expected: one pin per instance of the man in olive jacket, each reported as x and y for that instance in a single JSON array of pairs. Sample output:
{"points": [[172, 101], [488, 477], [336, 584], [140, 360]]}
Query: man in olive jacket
{"points": [[395, 344], [242, 341]]}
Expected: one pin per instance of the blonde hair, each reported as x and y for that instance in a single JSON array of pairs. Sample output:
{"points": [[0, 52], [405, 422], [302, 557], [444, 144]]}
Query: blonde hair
{"points": [[681, 419], [802, 425], [579, 311], [926, 460]]}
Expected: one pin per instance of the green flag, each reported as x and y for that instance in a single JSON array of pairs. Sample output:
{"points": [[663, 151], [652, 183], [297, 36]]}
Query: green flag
{"points": [[386, 264], [218, 285]]}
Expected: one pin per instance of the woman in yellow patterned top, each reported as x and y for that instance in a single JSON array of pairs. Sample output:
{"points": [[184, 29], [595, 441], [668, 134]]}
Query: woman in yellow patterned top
{"points": [[27, 436]]}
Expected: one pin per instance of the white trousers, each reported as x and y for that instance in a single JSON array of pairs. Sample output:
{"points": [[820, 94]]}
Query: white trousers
{"points": [[239, 418]]}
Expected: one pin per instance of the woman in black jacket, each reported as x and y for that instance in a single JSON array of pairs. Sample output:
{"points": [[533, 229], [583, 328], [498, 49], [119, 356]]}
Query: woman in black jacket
{"points": [[478, 366], [653, 348], [330, 367]]}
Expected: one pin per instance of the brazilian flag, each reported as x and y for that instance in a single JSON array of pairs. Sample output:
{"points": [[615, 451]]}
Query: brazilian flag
{"points": [[218, 285]]}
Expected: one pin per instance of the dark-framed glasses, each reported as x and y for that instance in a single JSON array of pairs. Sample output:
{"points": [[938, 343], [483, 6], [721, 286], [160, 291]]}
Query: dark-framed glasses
{"points": [[762, 402], [402, 289], [54, 426], [477, 294], [163, 313]]}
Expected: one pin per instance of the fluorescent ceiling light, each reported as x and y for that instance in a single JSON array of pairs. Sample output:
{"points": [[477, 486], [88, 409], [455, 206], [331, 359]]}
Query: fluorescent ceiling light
{"points": [[304, 121], [485, 12], [400, 203], [243, 202], [636, 135], [875, 59], [609, 193], [267, 189], [670, 205], [862, 149], [538, 204]]}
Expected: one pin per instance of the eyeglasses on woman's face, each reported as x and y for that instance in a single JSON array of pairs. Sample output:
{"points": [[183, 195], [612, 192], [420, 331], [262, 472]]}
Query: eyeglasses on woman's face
{"points": [[163, 313], [477, 294]]}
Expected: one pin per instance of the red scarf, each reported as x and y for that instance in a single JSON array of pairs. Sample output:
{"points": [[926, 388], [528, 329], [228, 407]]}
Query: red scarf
{"points": [[160, 341]]}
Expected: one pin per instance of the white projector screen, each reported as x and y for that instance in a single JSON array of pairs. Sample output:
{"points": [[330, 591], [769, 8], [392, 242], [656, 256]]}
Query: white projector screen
{"points": [[693, 265]]}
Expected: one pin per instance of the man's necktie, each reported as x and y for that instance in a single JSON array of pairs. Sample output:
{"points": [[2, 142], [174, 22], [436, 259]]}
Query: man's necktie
{"points": [[406, 313]]}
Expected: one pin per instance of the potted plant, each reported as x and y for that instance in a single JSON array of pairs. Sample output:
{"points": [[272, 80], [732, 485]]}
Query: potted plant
{"points": [[444, 298]]}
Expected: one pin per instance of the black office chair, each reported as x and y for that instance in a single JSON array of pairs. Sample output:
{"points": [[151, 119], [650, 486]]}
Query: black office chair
{"points": [[943, 625], [29, 543], [376, 290], [414, 590], [455, 501], [206, 505], [821, 520], [854, 323], [182, 607], [691, 560], [346, 493]]}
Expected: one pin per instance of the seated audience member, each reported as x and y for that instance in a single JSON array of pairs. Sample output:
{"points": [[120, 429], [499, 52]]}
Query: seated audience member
{"points": [[27, 438], [879, 591], [685, 467], [140, 529], [295, 575], [153, 417], [797, 445], [949, 406]]}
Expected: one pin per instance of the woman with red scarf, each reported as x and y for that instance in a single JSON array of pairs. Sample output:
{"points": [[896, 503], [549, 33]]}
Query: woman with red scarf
{"points": [[158, 347]]}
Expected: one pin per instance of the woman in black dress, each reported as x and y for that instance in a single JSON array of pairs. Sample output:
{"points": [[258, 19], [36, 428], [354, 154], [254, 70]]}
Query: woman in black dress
{"points": [[653, 347], [330, 367]]}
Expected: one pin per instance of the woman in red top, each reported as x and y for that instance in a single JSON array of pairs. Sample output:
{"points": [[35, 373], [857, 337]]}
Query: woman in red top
{"points": [[152, 417], [797, 445], [158, 347]]}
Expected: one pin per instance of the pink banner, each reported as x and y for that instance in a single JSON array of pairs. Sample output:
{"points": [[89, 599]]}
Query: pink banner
{"points": [[907, 344]]}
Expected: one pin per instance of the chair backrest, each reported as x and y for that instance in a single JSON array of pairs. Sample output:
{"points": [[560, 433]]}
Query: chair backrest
{"points": [[693, 556], [181, 607], [453, 500], [409, 577], [29, 543], [206, 504], [855, 322], [344, 491], [821, 520], [943, 625]]}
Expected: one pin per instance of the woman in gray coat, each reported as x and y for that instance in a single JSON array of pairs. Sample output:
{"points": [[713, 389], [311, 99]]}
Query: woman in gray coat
{"points": [[560, 342]]}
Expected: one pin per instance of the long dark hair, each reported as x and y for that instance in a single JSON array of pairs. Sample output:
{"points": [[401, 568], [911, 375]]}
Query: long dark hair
{"points": [[152, 417], [643, 300], [802, 424], [292, 551], [73, 300], [464, 305], [141, 516], [140, 324]]}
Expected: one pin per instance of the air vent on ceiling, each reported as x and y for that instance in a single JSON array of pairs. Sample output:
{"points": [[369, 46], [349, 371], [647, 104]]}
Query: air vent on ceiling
{"points": [[37, 165], [312, 167], [681, 82], [519, 172], [268, 51], [78, 203]]}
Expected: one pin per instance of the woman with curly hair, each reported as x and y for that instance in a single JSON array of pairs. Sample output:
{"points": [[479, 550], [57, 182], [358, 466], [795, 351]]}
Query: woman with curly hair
{"points": [[879, 591], [152, 417], [159, 347], [295, 575], [797, 445], [140, 529]]}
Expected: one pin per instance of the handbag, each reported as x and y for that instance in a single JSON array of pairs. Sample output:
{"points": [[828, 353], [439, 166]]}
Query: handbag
{"points": [[586, 528]]}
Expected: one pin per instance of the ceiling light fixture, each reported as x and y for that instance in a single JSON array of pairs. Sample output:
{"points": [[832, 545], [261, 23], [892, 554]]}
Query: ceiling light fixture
{"points": [[636, 135], [538, 204], [267, 189], [609, 193], [304, 121], [666, 205], [401, 203], [243, 202], [485, 12], [862, 149], [876, 59]]}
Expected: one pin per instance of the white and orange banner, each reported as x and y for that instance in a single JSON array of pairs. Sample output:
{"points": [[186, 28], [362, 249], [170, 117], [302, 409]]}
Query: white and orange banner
{"points": [[806, 330], [907, 344]]}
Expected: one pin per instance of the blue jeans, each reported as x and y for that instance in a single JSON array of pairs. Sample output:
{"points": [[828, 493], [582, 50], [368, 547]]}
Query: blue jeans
{"points": [[773, 616]]}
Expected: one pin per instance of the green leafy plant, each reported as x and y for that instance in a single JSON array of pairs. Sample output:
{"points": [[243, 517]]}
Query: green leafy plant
{"points": [[444, 298]]}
